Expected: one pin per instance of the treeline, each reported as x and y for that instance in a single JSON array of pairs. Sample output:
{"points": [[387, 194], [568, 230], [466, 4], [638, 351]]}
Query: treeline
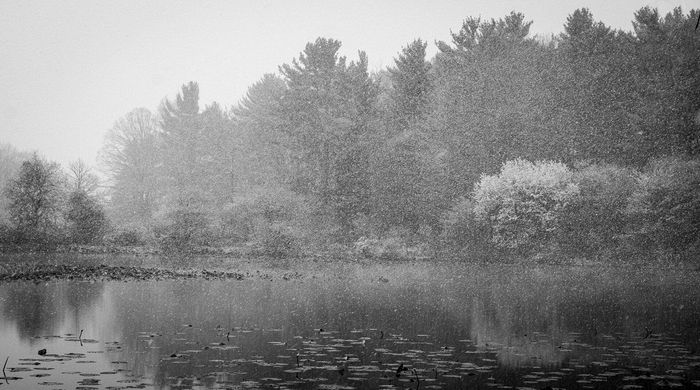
{"points": [[500, 142], [46, 206]]}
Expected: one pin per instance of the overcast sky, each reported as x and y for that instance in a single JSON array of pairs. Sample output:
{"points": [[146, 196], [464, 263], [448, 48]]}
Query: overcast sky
{"points": [[69, 69]]}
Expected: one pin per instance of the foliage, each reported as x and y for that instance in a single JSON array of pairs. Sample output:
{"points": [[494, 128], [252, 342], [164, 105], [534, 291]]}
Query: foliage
{"points": [[35, 197], [395, 244], [325, 153], [183, 151], [411, 86], [86, 218], [126, 237], [275, 239], [664, 211], [275, 221], [184, 229], [595, 219], [463, 231], [490, 101], [406, 179], [326, 107], [260, 122], [524, 203], [10, 162], [279, 222]]}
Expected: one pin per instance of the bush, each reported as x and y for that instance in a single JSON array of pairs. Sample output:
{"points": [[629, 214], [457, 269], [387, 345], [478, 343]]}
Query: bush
{"points": [[595, 219], [234, 223], [86, 219], [462, 230], [275, 221], [523, 204], [275, 239], [664, 211], [394, 245], [126, 237], [184, 228]]}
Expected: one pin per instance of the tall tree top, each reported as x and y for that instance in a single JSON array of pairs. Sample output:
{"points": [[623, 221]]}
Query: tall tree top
{"points": [[494, 34], [180, 119], [411, 85], [578, 22], [318, 58], [262, 98]]}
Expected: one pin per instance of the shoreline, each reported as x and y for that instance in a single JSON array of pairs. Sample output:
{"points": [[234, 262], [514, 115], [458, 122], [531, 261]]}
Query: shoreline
{"points": [[152, 266]]}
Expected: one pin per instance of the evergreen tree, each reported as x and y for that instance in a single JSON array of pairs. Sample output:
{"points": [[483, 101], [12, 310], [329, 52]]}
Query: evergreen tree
{"points": [[667, 69], [490, 102], [182, 133], [410, 86], [325, 108], [266, 145]]}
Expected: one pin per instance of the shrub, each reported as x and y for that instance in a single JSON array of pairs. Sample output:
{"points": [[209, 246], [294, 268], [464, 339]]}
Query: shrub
{"points": [[126, 237], [7, 235], [276, 221], [595, 219], [664, 211], [462, 230], [85, 217], [395, 244], [522, 205], [235, 220], [184, 228], [276, 239]]}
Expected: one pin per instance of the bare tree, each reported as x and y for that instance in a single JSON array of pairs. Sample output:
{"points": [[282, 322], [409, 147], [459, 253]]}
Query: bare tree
{"points": [[82, 178], [130, 158]]}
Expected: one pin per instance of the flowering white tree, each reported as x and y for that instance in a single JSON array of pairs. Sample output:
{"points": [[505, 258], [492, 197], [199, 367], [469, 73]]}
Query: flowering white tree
{"points": [[524, 202]]}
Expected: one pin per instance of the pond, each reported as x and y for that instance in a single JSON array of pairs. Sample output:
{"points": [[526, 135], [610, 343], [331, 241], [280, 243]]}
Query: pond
{"points": [[335, 325]]}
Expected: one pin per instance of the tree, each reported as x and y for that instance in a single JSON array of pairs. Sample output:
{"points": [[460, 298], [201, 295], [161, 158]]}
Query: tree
{"points": [[406, 184], [10, 162], [594, 86], [131, 159], [404, 168], [490, 101], [81, 177], [85, 216], [410, 86], [666, 53], [265, 146], [523, 204], [220, 154], [183, 153], [35, 200], [664, 210], [326, 105]]}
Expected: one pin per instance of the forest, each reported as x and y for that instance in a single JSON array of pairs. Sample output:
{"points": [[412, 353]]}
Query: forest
{"points": [[502, 145]]}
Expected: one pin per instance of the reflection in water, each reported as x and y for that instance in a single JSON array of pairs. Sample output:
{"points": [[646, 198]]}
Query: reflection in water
{"points": [[39, 309], [341, 325]]}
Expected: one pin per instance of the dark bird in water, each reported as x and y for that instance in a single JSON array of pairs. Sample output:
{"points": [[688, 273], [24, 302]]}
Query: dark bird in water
{"points": [[42, 352]]}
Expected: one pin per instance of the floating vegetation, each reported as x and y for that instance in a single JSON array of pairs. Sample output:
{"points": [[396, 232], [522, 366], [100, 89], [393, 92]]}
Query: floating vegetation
{"points": [[49, 271], [504, 332]]}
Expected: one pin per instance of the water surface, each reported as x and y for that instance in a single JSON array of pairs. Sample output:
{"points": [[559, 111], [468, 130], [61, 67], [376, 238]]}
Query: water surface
{"points": [[348, 325]]}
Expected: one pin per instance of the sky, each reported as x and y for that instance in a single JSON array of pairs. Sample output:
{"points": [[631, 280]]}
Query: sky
{"points": [[70, 69]]}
